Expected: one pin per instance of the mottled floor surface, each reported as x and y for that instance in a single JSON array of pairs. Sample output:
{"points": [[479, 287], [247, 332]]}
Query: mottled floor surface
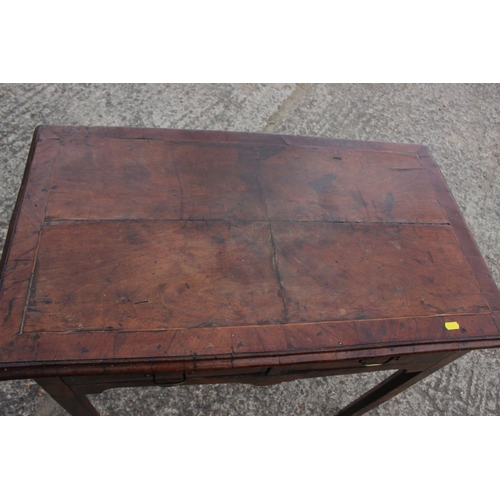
{"points": [[459, 123]]}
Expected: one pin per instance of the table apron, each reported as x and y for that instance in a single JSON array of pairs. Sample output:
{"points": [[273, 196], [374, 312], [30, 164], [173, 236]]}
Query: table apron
{"points": [[260, 376]]}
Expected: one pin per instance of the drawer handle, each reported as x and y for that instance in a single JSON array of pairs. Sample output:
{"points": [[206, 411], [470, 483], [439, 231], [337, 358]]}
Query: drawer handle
{"points": [[365, 362], [169, 384]]}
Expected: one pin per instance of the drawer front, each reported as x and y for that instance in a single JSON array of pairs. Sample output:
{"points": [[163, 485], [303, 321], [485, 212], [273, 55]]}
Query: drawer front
{"points": [[256, 375], [408, 362]]}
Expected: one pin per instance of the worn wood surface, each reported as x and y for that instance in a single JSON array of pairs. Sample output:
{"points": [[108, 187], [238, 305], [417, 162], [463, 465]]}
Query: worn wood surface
{"points": [[138, 250], [154, 275]]}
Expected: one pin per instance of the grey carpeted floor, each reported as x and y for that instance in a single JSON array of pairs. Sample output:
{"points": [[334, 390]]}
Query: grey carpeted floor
{"points": [[459, 123]]}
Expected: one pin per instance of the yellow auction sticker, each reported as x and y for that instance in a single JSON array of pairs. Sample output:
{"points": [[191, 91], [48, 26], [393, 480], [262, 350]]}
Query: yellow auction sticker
{"points": [[451, 325]]}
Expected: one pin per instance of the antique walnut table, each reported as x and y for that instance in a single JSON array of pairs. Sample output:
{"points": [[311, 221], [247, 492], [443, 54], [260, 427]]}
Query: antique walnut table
{"points": [[141, 257]]}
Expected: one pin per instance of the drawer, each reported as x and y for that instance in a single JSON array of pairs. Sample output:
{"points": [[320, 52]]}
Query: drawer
{"points": [[261, 375], [97, 384], [411, 362]]}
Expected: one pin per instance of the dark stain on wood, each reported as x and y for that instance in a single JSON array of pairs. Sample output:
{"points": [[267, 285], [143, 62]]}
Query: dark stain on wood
{"points": [[389, 202], [323, 184]]}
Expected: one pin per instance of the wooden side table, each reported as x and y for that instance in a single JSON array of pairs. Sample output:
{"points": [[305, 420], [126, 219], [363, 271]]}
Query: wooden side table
{"points": [[141, 257]]}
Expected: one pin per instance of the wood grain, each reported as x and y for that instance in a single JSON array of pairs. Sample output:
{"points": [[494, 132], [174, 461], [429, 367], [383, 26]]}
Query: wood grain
{"points": [[153, 275], [19, 254], [249, 346], [359, 271], [342, 185], [95, 178], [138, 250]]}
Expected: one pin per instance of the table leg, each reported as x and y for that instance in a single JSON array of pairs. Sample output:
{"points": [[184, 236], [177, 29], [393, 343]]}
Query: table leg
{"points": [[393, 385], [74, 404]]}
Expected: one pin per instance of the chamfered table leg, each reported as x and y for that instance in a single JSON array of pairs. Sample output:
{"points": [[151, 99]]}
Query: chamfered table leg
{"points": [[393, 385], [74, 404]]}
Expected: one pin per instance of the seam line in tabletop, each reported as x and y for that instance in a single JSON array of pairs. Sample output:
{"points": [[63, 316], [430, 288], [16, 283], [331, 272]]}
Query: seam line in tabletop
{"points": [[281, 325], [26, 303], [37, 248], [46, 205], [54, 222], [274, 255], [278, 275]]}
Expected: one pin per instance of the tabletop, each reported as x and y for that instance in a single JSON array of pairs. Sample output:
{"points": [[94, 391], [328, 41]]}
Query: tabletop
{"points": [[200, 249]]}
